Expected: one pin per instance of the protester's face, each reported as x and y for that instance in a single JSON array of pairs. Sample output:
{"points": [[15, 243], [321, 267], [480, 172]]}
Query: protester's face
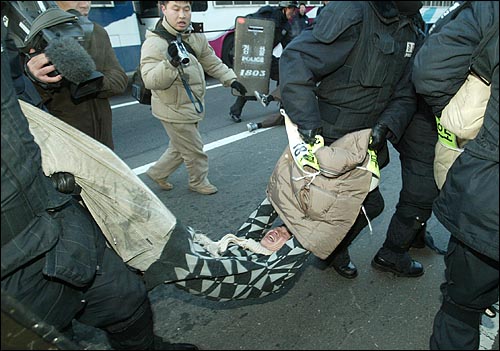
{"points": [[275, 238], [178, 14], [81, 6], [302, 9], [289, 12]]}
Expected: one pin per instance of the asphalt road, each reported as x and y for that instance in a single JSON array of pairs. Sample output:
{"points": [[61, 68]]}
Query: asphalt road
{"points": [[319, 309]]}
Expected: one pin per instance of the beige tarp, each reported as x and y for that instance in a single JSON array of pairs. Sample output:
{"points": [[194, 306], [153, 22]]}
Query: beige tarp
{"points": [[135, 222]]}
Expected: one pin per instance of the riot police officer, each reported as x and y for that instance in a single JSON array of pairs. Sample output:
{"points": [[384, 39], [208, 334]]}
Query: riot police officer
{"points": [[282, 34], [350, 72]]}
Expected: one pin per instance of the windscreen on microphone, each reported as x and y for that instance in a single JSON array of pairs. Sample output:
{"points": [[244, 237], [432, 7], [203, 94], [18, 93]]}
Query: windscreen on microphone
{"points": [[70, 59]]}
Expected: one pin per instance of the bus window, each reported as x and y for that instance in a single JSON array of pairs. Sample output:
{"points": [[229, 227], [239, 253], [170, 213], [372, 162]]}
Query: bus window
{"points": [[199, 6], [147, 9]]}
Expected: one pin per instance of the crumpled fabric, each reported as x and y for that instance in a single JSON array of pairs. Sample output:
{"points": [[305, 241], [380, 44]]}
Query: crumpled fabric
{"points": [[136, 224]]}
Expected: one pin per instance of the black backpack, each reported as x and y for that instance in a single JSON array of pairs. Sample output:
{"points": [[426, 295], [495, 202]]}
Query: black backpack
{"points": [[139, 91]]}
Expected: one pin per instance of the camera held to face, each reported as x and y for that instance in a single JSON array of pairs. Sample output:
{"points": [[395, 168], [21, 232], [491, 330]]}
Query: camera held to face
{"points": [[64, 37], [183, 55]]}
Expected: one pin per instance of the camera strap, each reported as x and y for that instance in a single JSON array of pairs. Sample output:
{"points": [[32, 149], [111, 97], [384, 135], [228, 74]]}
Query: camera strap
{"points": [[198, 106]]}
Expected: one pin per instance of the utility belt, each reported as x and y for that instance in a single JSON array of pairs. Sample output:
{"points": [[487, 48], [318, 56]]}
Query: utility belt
{"points": [[447, 138]]}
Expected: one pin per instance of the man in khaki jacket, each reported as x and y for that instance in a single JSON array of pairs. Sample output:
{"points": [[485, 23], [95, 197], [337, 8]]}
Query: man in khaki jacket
{"points": [[171, 103]]}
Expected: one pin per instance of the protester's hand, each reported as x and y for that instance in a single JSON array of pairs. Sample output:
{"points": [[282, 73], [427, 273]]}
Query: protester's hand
{"points": [[309, 135], [239, 87], [173, 52], [39, 67], [379, 136], [65, 183]]}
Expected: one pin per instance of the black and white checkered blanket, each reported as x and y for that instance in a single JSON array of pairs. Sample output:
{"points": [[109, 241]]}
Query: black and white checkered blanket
{"points": [[238, 273]]}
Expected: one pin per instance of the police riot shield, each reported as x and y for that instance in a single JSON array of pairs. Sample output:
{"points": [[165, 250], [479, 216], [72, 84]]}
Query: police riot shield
{"points": [[253, 48], [23, 330]]}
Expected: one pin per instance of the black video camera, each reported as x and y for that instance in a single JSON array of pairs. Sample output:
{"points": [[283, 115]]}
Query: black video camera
{"points": [[30, 31]]}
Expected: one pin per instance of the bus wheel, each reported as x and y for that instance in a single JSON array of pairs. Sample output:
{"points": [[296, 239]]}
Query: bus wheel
{"points": [[228, 51]]}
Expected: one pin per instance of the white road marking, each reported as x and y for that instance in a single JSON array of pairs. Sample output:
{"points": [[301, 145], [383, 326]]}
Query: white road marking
{"points": [[125, 104], [210, 146]]}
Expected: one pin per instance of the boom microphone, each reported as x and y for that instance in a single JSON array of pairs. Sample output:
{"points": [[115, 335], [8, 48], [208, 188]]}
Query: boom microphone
{"points": [[70, 59]]}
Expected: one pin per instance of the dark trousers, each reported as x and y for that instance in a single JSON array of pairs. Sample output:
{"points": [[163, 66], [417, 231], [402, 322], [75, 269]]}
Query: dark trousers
{"points": [[413, 209], [374, 205], [238, 105], [471, 286], [418, 191], [416, 153], [114, 301]]}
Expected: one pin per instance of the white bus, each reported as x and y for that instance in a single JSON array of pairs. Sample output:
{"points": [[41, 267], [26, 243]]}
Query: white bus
{"points": [[215, 18]]}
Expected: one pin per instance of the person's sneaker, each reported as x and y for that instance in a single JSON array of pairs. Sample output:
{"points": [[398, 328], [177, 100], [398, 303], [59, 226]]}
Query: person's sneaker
{"points": [[235, 118], [204, 189], [161, 182], [252, 126], [263, 98]]}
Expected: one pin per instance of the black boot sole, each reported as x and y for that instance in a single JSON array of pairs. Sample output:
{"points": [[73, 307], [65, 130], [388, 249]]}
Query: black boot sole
{"points": [[347, 276], [344, 273], [383, 268]]}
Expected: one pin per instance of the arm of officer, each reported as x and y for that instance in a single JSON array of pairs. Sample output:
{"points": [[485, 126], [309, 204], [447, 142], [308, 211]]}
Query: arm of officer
{"points": [[312, 56]]}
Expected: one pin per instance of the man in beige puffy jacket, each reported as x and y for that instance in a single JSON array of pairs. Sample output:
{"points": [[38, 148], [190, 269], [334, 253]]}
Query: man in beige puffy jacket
{"points": [[171, 103]]}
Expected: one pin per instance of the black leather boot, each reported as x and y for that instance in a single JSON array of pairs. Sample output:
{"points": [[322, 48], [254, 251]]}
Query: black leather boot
{"points": [[340, 259], [236, 109], [341, 262], [415, 268], [393, 256]]}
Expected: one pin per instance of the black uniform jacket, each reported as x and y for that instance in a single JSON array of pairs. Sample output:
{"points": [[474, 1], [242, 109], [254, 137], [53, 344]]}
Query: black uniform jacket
{"points": [[352, 69], [468, 203]]}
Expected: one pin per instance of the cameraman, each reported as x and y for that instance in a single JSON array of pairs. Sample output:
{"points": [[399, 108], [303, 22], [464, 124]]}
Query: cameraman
{"points": [[93, 115], [179, 106]]}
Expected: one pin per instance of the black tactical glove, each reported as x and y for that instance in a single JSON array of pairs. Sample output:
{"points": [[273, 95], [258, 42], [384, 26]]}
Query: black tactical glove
{"points": [[239, 87], [309, 135], [379, 136], [173, 53], [65, 183]]}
